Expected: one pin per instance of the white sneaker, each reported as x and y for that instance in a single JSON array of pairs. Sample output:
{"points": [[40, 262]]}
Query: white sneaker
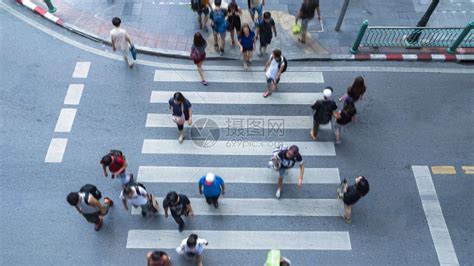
{"points": [[277, 195]]}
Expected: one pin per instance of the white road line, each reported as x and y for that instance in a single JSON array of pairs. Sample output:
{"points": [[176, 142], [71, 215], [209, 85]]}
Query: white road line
{"points": [[113, 56], [434, 216], [262, 175], [81, 70], [239, 97], [264, 207], [74, 94], [243, 240], [239, 121], [56, 150], [235, 76], [65, 120], [246, 147]]}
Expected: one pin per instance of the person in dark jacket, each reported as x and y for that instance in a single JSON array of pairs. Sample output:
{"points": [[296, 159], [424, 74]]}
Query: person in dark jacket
{"points": [[351, 194]]}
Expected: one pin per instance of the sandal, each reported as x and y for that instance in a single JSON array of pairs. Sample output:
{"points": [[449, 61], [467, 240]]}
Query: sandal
{"points": [[347, 220], [311, 133], [301, 40], [266, 94], [204, 82]]}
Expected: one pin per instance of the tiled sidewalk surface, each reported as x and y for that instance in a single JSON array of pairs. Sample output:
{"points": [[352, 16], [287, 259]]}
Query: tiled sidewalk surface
{"points": [[169, 25]]}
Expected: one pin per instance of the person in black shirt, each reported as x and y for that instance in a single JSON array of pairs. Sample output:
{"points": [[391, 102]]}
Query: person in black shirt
{"points": [[306, 13], [344, 117], [323, 111], [351, 194], [178, 205]]}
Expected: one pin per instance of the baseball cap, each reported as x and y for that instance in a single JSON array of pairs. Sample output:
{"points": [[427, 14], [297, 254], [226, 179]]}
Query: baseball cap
{"points": [[210, 178], [327, 92], [295, 150]]}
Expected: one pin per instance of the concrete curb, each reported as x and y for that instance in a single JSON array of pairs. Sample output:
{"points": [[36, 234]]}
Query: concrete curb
{"points": [[317, 57]]}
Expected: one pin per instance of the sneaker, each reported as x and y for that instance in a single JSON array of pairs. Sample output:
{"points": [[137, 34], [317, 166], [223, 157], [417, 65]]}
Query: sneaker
{"points": [[107, 200], [204, 82], [216, 204], [221, 53], [277, 195], [99, 225], [216, 47], [181, 138]]}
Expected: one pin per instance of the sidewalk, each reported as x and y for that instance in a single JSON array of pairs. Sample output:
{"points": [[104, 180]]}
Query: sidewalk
{"points": [[168, 26]]}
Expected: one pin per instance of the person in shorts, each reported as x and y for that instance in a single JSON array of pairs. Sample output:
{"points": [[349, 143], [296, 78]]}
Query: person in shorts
{"points": [[287, 159], [247, 43], [198, 54], [351, 194], [90, 207], [324, 110], [117, 165], [178, 204], [212, 186], [233, 18], [344, 117], [203, 9], [137, 196], [265, 31], [219, 26], [181, 111], [274, 67], [306, 13]]}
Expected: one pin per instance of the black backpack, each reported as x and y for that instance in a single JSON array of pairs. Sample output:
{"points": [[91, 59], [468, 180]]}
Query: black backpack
{"points": [[116, 154], [285, 66], [137, 185], [89, 189]]}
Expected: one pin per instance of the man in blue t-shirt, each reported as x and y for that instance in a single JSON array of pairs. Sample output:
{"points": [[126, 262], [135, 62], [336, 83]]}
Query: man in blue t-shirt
{"points": [[212, 186]]}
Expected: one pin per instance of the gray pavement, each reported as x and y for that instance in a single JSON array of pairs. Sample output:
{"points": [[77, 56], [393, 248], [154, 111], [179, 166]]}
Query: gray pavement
{"points": [[406, 119], [169, 25]]}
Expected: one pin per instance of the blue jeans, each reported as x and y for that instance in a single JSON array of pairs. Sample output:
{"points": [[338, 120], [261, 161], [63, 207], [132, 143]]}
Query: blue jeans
{"points": [[283, 172], [258, 9]]}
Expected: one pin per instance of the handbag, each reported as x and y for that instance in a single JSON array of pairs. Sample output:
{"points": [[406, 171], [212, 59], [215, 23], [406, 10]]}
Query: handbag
{"points": [[133, 51], [296, 28], [180, 119], [153, 203]]}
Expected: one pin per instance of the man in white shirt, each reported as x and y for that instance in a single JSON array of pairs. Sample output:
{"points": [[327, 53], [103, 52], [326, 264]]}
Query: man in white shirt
{"points": [[136, 196], [274, 67], [192, 247], [121, 41]]}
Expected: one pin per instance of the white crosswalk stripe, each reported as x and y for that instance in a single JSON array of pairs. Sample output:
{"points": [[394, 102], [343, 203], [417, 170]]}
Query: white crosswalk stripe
{"points": [[231, 147], [243, 240], [265, 207], [238, 121], [235, 76], [240, 174], [279, 98], [261, 175]]}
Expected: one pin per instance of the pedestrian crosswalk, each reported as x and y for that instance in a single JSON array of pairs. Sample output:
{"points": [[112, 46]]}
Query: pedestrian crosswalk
{"points": [[237, 174], [244, 240]]}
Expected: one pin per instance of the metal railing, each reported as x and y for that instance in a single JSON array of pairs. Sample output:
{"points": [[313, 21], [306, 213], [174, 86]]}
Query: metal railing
{"points": [[413, 37]]}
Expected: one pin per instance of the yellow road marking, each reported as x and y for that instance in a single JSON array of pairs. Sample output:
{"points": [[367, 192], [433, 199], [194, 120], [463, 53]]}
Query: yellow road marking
{"points": [[443, 170], [468, 170]]}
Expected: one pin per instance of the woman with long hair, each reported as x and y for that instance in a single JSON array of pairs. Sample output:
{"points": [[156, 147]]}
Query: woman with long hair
{"points": [[198, 54], [181, 111], [356, 90]]}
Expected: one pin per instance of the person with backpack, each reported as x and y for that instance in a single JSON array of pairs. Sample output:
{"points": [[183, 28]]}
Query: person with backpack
{"points": [[247, 43], [192, 247], [181, 111], [323, 110], [178, 204], [351, 194], [234, 21], [219, 26], [344, 117], [87, 203], [264, 32], [201, 7], [274, 67], [284, 158], [212, 186], [137, 196], [115, 161], [158, 258], [306, 13], [198, 54]]}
